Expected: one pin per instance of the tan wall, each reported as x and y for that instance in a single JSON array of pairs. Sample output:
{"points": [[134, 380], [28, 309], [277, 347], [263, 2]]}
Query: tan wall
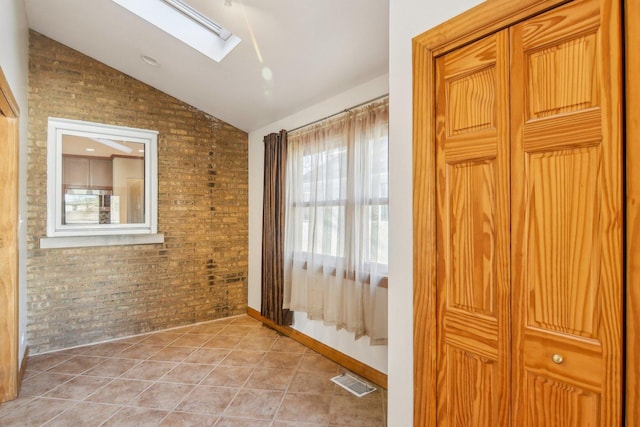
{"points": [[84, 295]]}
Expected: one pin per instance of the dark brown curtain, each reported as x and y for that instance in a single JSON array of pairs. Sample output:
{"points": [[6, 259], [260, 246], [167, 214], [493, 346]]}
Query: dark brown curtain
{"points": [[275, 159]]}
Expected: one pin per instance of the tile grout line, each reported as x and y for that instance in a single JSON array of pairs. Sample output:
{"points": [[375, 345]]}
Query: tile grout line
{"points": [[218, 364], [242, 387], [284, 395], [243, 336]]}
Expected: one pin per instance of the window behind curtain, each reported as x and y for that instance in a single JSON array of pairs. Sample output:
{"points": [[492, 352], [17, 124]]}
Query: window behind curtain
{"points": [[336, 250]]}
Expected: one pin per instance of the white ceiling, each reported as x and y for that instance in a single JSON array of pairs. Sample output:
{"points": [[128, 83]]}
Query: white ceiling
{"points": [[315, 49]]}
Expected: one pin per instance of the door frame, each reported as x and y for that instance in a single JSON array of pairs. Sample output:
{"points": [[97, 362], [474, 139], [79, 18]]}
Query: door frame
{"points": [[632, 222], [482, 20], [9, 147]]}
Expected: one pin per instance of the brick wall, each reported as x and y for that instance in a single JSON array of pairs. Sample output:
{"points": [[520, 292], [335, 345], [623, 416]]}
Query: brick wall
{"points": [[83, 295]]}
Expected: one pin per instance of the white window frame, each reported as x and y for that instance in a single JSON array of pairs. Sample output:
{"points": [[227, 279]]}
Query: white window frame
{"points": [[78, 235]]}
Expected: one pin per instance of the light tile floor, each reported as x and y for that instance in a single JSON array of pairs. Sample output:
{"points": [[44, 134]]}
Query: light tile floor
{"points": [[228, 372]]}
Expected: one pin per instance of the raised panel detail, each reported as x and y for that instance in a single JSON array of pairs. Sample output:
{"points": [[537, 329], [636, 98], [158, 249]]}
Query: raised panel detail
{"points": [[563, 78], [563, 241], [472, 237], [471, 102], [557, 404], [471, 390]]}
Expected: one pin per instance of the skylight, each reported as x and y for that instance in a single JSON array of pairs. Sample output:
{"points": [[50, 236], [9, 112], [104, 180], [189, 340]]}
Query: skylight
{"points": [[186, 24]]}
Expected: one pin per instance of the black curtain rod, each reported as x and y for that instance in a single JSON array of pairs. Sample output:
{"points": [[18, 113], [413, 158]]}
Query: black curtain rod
{"points": [[346, 110]]}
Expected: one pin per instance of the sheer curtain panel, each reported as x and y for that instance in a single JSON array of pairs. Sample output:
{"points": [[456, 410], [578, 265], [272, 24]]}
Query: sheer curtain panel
{"points": [[275, 157], [336, 239]]}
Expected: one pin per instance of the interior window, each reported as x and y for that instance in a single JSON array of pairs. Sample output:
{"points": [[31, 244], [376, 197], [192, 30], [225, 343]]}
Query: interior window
{"points": [[102, 179]]}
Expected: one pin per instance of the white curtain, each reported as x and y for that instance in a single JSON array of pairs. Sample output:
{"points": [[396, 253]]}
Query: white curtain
{"points": [[336, 238]]}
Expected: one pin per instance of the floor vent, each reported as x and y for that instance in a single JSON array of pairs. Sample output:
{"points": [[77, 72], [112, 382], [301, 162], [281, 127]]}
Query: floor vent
{"points": [[353, 385]]}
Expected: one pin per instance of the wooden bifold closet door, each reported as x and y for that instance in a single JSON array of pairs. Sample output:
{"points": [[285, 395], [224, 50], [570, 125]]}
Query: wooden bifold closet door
{"points": [[529, 289], [9, 112], [473, 277]]}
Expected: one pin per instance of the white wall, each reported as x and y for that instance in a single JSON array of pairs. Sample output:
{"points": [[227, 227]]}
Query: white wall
{"points": [[14, 61], [374, 356], [407, 19]]}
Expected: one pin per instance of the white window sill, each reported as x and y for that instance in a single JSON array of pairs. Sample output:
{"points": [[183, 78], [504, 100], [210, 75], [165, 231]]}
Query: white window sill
{"points": [[106, 240]]}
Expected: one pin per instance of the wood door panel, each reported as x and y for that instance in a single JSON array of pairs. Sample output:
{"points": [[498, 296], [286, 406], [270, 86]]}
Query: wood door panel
{"points": [[476, 335], [472, 59], [562, 253], [473, 296], [582, 128], [566, 222], [476, 145], [471, 102], [562, 78], [475, 403], [564, 23], [472, 233], [558, 404], [541, 348]]}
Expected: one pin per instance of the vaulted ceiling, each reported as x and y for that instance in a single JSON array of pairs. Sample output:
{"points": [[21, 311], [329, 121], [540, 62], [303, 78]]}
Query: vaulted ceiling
{"points": [[293, 54]]}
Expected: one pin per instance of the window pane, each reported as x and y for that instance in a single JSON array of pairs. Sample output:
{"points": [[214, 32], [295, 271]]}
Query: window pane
{"points": [[324, 175], [81, 208], [379, 234], [327, 232], [380, 168], [338, 179], [112, 170]]}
